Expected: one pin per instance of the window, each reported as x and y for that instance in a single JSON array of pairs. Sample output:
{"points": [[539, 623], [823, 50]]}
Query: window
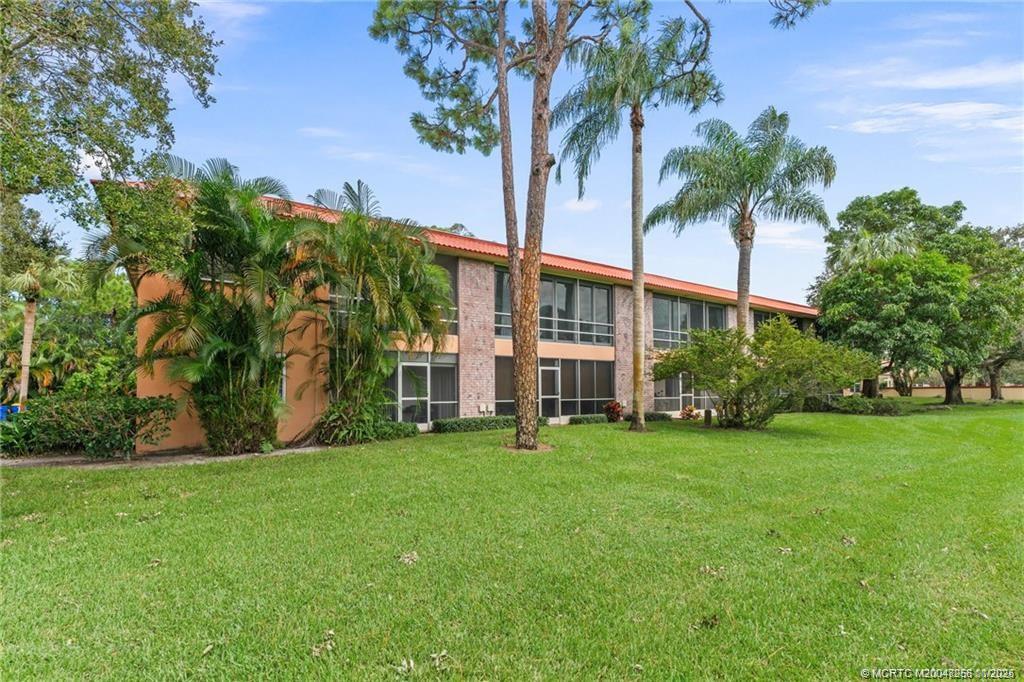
{"points": [[423, 387], [675, 317], [504, 382], [502, 303], [566, 387], [571, 311], [451, 265]]}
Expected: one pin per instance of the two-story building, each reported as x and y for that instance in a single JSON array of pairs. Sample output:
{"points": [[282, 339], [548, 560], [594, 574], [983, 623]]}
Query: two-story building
{"points": [[585, 345]]}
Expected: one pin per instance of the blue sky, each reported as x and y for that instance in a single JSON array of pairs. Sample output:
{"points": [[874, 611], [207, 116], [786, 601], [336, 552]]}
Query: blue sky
{"points": [[929, 95]]}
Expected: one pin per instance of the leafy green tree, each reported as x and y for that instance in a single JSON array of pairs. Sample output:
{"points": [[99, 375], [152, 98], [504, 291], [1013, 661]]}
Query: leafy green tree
{"points": [[25, 237], [754, 378], [86, 81], [742, 179], [991, 318], [630, 75], [873, 227], [898, 309], [150, 226]]}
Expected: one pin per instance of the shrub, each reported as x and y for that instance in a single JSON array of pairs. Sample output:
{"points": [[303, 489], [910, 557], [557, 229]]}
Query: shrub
{"points": [[464, 424], [345, 423], [588, 419], [690, 413], [100, 426], [244, 421], [613, 411], [858, 404], [756, 378], [651, 417], [853, 404]]}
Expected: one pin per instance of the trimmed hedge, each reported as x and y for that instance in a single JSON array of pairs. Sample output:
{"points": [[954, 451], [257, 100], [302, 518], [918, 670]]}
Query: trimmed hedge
{"points": [[858, 404], [98, 426], [464, 424], [588, 419]]}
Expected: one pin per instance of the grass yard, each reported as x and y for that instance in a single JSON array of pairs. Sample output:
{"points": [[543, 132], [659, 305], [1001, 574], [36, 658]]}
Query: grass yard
{"points": [[824, 545]]}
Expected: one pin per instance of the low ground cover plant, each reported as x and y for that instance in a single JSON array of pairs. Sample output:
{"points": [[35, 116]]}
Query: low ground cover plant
{"points": [[345, 423]]}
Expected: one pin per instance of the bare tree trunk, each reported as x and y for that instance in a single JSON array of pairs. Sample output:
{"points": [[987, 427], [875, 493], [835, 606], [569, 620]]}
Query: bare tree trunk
{"points": [[951, 379], [636, 124], [26, 348], [869, 388], [995, 382], [524, 334], [903, 382], [550, 45], [746, 246]]}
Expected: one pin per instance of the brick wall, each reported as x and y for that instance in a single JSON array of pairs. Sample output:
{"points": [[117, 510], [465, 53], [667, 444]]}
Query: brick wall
{"points": [[624, 346], [476, 336]]}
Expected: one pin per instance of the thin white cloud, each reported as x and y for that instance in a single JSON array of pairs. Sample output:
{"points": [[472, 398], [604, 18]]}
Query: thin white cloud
{"points": [[789, 237], [581, 205], [932, 19], [230, 20], [911, 116], [317, 131], [901, 73], [399, 162]]}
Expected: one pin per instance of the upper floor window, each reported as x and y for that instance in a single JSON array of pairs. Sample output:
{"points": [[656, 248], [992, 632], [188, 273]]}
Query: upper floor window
{"points": [[451, 265], [675, 317], [571, 310]]}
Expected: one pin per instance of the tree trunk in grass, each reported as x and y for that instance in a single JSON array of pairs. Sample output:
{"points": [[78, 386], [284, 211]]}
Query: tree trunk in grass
{"points": [[951, 379], [550, 47], [636, 124], [995, 382], [869, 388], [903, 382], [26, 349]]}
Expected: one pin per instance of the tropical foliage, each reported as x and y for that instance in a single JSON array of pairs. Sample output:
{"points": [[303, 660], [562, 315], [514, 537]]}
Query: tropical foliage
{"points": [[243, 289], [765, 175], [755, 378], [384, 288]]}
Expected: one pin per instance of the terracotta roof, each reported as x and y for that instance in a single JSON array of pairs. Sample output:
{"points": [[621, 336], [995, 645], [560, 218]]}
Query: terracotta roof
{"points": [[458, 243], [497, 251]]}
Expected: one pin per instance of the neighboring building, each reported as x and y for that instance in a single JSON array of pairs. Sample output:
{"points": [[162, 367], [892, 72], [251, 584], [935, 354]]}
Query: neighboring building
{"points": [[585, 347]]}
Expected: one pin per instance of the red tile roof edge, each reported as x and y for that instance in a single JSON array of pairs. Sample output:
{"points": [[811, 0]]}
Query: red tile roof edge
{"points": [[484, 247], [498, 250]]}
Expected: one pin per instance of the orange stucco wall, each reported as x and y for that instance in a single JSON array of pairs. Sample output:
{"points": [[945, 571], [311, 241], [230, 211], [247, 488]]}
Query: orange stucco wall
{"points": [[302, 376]]}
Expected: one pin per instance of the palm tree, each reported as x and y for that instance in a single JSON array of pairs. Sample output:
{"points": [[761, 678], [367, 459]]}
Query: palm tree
{"points": [[742, 179], [39, 279], [630, 76], [870, 246], [384, 287], [244, 281]]}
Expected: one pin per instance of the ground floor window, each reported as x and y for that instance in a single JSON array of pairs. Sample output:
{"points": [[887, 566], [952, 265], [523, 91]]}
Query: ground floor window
{"points": [[424, 387], [675, 393], [565, 387]]}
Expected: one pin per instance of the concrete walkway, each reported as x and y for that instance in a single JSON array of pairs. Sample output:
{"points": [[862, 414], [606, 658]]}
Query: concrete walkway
{"points": [[142, 461]]}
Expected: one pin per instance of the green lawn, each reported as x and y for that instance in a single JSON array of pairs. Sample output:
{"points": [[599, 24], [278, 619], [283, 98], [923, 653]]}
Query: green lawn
{"points": [[821, 546]]}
